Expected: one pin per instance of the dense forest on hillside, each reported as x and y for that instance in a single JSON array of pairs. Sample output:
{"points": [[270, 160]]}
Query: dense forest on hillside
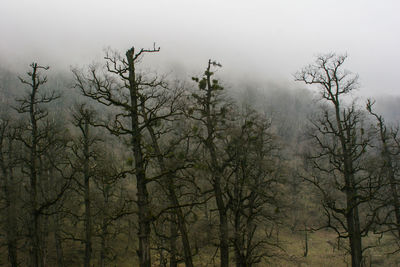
{"points": [[115, 165]]}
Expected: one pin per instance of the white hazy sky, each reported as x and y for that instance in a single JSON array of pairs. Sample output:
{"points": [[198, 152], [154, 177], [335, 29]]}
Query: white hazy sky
{"points": [[268, 40]]}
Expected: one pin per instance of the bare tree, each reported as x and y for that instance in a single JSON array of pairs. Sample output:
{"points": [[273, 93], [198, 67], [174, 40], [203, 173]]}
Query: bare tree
{"points": [[211, 111], [83, 151], [122, 88], [336, 165], [41, 137], [158, 119], [111, 204], [9, 185], [389, 197], [254, 189]]}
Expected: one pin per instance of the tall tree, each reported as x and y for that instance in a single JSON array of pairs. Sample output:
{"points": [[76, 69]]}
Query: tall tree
{"points": [[211, 111], [43, 141], [9, 185], [341, 148], [158, 119], [122, 88], [111, 204], [254, 189], [389, 150], [83, 119]]}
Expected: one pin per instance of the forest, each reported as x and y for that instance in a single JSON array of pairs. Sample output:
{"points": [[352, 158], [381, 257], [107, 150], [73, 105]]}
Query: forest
{"points": [[112, 164]]}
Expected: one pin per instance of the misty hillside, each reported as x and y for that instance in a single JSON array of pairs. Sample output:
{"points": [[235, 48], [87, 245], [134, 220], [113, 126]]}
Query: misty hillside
{"points": [[199, 133], [112, 164]]}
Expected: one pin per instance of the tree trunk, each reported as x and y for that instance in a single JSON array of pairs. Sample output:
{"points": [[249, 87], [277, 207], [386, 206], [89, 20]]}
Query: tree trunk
{"points": [[238, 244], [216, 173], [173, 199], [174, 233], [353, 223], [182, 228], [10, 199], [352, 216], [142, 193], [223, 229], [237, 209], [102, 262], [144, 224], [355, 238], [222, 211], [88, 225], [11, 223], [34, 216], [88, 218], [305, 241], [57, 237]]}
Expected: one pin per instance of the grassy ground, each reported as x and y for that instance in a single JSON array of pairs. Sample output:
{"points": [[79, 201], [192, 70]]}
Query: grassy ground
{"points": [[323, 251]]}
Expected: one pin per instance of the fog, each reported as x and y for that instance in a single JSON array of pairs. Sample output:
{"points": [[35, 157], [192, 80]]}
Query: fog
{"points": [[256, 40]]}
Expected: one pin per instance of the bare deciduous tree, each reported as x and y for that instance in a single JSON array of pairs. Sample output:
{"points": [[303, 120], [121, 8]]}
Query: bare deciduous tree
{"points": [[123, 88], [341, 142], [9, 185], [211, 111], [254, 188], [83, 151], [41, 137], [389, 148]]}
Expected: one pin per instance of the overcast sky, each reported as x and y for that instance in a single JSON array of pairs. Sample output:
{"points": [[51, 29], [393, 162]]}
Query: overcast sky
{"points": [[262, 40]]}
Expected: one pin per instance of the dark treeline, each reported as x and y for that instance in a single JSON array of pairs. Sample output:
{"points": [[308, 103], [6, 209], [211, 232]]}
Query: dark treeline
{"points": [[116, 166]]}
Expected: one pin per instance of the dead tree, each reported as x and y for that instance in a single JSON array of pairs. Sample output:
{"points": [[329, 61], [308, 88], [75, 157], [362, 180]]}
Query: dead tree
{"points": [[121, 88], [40, 136]]}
